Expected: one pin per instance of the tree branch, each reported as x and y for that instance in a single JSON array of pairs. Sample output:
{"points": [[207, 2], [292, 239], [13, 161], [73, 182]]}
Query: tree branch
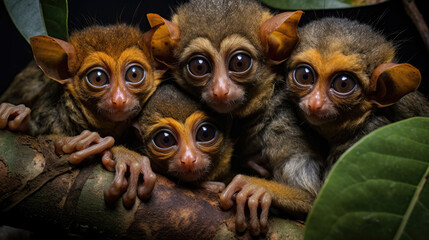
{"points": [[418, 20], [42, 192]]}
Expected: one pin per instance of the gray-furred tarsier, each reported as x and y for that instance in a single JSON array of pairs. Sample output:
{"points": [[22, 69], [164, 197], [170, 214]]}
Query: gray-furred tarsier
{"points": [[343, 82], [103, 75], [231, 61]]}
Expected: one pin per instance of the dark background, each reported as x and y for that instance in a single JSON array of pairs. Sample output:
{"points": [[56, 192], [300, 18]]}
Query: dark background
{"points": [[390, 18]]}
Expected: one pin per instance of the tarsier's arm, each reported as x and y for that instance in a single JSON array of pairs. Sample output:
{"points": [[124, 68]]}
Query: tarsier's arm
{"points": [[17, 118], [296, 171]]}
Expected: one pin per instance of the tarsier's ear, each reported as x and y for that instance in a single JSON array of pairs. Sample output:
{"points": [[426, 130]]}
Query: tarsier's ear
{"points": [[53, 56], [279, 35], [391, 81], [164, 38]]}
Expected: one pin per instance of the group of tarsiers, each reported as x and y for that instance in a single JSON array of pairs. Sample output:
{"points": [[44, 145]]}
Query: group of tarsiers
{"points": [[264, 95]]}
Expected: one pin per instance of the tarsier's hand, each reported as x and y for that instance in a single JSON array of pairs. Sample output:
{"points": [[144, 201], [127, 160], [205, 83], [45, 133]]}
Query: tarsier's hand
{"points": [[84, 145], [246, 192], [16, 118], [137, 165]]}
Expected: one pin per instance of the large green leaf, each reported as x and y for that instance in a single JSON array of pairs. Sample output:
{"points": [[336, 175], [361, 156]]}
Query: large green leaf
{"points": [[318, 4], [378, 189], [55, 14], [44, 17]]}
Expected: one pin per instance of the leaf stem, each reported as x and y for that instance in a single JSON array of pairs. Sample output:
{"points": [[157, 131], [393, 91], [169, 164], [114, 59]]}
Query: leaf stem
{"points": [[413, 202]]}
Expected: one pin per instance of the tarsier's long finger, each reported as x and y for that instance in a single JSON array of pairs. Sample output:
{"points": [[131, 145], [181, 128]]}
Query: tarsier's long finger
{"points": [[5, 109], [107, 160], [149, 179], [253, 204], [114, 191], [70, 145], [59, 143], [129, 197], [241, 200], [93, 137], [79, 156], [22, 115], [226, 197], [265, 208]]}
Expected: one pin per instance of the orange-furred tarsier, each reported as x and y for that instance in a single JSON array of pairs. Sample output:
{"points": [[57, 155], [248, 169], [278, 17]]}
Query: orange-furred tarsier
{"points": [[346, 81], [343, 82], [182, 138], [102, 77]]}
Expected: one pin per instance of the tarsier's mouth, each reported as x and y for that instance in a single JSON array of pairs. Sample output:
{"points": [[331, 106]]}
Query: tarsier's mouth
{"points": [[118, 114]]}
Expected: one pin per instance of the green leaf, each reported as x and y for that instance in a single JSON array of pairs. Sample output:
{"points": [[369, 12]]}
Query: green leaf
{"points": [[55, 14], [32, 18], [318, 4], [378, 189], [27, 17]]}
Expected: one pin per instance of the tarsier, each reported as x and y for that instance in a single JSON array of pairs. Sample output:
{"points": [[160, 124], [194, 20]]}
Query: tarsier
{"points": [[103, 76], [228, 59], [344, 83], [183, 139]]}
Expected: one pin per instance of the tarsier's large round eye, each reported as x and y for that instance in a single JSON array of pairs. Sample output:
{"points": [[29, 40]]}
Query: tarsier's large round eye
{"points": [[164, 139], [135, 74], [199, 66], [97, 78], [240, 62], [206, 132], [343, 84], [304, 75]]}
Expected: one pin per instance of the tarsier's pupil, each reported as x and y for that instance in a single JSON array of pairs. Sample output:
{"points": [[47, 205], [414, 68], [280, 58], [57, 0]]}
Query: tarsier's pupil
{"points": [[239, 62], [305, 76], [200, 67], [343, 83], [167, 139]]}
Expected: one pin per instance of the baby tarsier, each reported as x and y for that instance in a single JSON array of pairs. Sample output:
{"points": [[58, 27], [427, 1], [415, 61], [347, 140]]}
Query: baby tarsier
{"points": [[183, 139], [102, 77], [343, 82]]}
